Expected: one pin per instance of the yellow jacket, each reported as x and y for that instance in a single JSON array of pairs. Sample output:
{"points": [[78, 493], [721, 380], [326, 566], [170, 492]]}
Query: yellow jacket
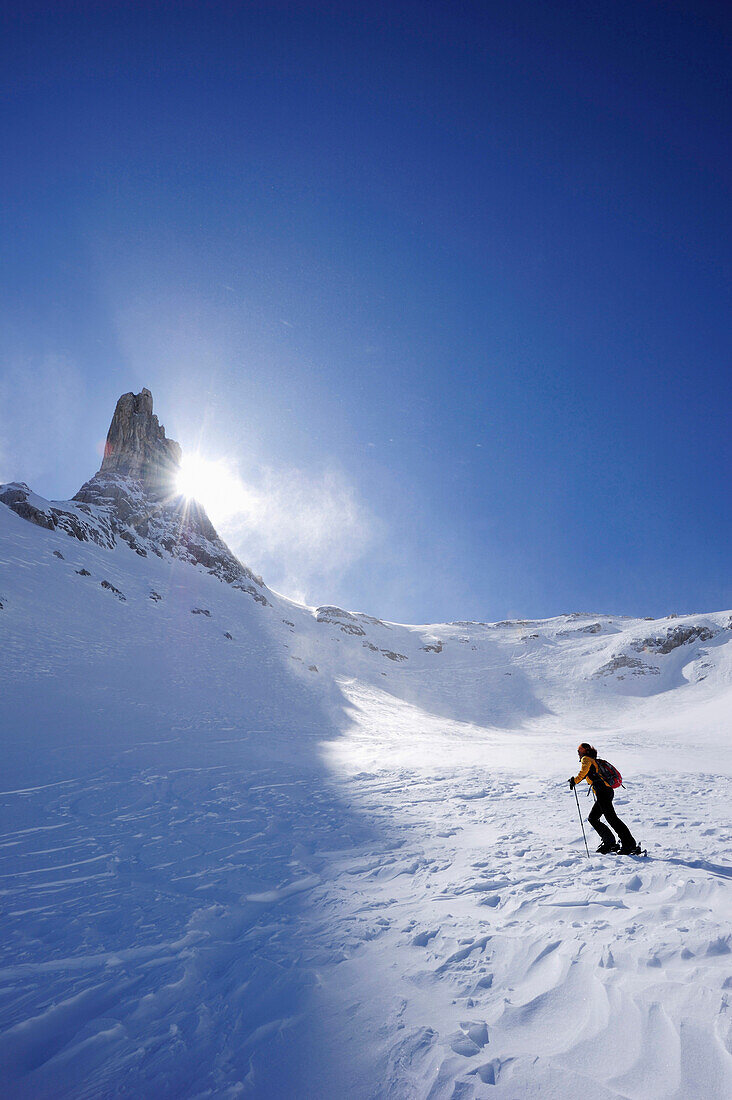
{"points": [[591, 775]]}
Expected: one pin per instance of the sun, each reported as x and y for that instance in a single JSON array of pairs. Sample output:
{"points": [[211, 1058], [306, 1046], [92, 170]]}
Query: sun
{"points": [[213, 484]]}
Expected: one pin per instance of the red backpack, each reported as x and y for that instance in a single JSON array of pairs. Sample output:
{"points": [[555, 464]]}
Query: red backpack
{"points": [[609, 774]]}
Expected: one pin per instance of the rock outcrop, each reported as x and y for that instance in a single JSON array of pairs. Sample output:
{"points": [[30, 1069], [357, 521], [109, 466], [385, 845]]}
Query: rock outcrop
{"points": [[17, 496], [137, 448], [43, 513], [627, 666], [675, 637], [344, 619]]}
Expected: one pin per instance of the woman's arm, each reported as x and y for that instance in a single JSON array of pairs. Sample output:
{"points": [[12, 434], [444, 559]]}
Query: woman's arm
{"points": [[587, 763]]}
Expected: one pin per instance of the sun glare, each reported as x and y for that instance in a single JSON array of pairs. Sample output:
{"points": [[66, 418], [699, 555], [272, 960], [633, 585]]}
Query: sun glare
{"points": [[213, 484]]}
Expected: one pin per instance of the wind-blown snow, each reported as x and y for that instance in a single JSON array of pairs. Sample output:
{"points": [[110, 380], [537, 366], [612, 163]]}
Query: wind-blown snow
{"points": [[252, 848]]}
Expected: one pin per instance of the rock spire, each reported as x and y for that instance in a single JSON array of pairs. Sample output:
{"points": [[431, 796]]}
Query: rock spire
{"points": [[137, 448]]}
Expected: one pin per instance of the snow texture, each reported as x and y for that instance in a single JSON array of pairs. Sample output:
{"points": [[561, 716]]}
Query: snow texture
{"points": [[250, 848]]}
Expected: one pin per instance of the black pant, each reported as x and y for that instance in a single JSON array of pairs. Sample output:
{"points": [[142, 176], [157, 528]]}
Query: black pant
{"points": [[604, 808]]}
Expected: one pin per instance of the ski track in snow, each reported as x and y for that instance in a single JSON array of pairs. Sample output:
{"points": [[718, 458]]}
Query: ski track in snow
{"points": [[251, 853]]}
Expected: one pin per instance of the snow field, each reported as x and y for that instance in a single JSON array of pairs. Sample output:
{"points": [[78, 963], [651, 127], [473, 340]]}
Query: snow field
{"points": [[178, 932], [488, 957], [152, 927], [247, 852]]}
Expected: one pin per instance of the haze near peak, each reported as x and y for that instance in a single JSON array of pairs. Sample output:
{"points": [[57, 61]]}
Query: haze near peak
{"points": [[301, 528]]}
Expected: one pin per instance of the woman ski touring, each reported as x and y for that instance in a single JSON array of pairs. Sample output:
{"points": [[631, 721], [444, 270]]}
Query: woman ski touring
{"points": [[603, 807]]}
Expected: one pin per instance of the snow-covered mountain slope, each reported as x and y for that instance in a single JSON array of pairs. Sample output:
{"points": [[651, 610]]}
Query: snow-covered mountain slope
{"points": [[254, 848]]}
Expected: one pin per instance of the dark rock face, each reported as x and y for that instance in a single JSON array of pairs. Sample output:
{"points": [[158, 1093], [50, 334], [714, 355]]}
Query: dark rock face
{"points": [[592, 628], [675, 637], [332, 614], [344, 619], [627, 666], [16, 496], [110, 588], [137, 448]]}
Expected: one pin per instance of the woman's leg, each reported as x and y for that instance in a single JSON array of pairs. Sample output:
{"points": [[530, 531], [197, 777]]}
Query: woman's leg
{"points": [[599, 826], [626, 837]]}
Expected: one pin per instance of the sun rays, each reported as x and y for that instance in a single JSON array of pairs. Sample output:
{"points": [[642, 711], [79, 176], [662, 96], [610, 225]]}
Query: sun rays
{"points": [[215, 485]]}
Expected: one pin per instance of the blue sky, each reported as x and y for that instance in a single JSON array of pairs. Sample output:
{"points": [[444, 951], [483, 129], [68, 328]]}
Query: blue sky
{"points": [[445, 285]]}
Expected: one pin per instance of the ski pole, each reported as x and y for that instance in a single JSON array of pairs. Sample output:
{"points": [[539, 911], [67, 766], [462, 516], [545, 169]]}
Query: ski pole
{"points": [[581, 821]]}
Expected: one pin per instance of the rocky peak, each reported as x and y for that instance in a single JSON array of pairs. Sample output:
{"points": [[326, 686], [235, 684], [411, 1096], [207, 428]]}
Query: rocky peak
{"points": [[137, 448], [133, 499]]}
